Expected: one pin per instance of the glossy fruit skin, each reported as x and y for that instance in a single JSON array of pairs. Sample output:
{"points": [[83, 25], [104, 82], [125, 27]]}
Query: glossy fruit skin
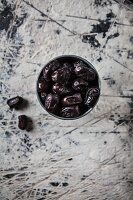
{"points": [[61, 89], [82, 71], [49, 69], [79, 84], [70, 112], [15, 102], [43, 96], [72, 100], [61, 75], [43, 85], [92, 95], [51, 102]]}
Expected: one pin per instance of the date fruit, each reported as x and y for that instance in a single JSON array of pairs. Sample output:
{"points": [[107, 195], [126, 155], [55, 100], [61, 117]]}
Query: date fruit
{"points": [[43, 96], [22, 122], [72, 100], [15, 102], [91, 96], [79, 84], [81, 70], [43, 85], [49, 69], [70, 112], [52, 102], [61, 89], [93, 92], [61, 75]]}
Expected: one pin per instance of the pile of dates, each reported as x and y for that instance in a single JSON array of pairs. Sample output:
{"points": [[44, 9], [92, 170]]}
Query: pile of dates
{"points": [[68, 89]]}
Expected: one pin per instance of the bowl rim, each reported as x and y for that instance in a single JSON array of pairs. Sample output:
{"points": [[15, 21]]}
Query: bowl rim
{"points": [[88, 64]]}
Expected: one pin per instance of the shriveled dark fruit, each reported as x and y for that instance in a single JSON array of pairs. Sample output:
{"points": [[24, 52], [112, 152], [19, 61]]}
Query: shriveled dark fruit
{"points": [[61, 75], [43, 85], [49, 69], [91, 96], [81, 70], [22, 122], [79, 84], [15, 102], [72, 100], [43, 96], [89, 100], [93, 92], [71, 68], [68, 65], [70, 112], [61, 89], [52, 102], [91, 74]]}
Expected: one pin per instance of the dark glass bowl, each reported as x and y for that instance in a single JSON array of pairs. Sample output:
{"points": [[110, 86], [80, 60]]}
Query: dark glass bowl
{"points": [[64, 59]]}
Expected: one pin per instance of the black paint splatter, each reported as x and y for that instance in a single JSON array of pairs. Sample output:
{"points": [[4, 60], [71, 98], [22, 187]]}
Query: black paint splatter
{"points": [[99, 59], [105, 142], [119, 52], [8, 176], [69, 159], [110, 15], [8, 134], [111, 37], [57, 31], [124, 120], [102, 27], [6, 17], [55, 184], [18, 22], [91, 39], [64, 184], [110, 81], [130, 54]]}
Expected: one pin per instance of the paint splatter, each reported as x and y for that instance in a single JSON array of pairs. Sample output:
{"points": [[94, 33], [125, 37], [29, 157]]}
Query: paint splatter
{"points": [[111, 37], [6, 17], [102, 27], [91, 39], [102, 3]]}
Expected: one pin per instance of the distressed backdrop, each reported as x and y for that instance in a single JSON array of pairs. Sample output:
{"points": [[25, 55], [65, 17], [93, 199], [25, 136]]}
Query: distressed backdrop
{"points": [[86, 159]]}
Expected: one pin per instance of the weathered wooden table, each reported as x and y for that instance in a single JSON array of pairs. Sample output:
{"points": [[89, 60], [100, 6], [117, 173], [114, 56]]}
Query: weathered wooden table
{"points": [[86, 159]]}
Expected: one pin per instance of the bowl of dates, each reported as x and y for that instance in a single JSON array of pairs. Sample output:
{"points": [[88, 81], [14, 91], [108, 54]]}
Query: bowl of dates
{"points": [[68, 87]]}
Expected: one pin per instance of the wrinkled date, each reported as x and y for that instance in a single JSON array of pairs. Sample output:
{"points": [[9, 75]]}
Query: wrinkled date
{"points": [[43, 96], [61, 89], [22, 122], [93, 92], [49, 69], [72, 100], [92, 95], [43, 85], [51, 102], [15, 102], [79, 84], [70, 112], [81, 70], [61, 75]]}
